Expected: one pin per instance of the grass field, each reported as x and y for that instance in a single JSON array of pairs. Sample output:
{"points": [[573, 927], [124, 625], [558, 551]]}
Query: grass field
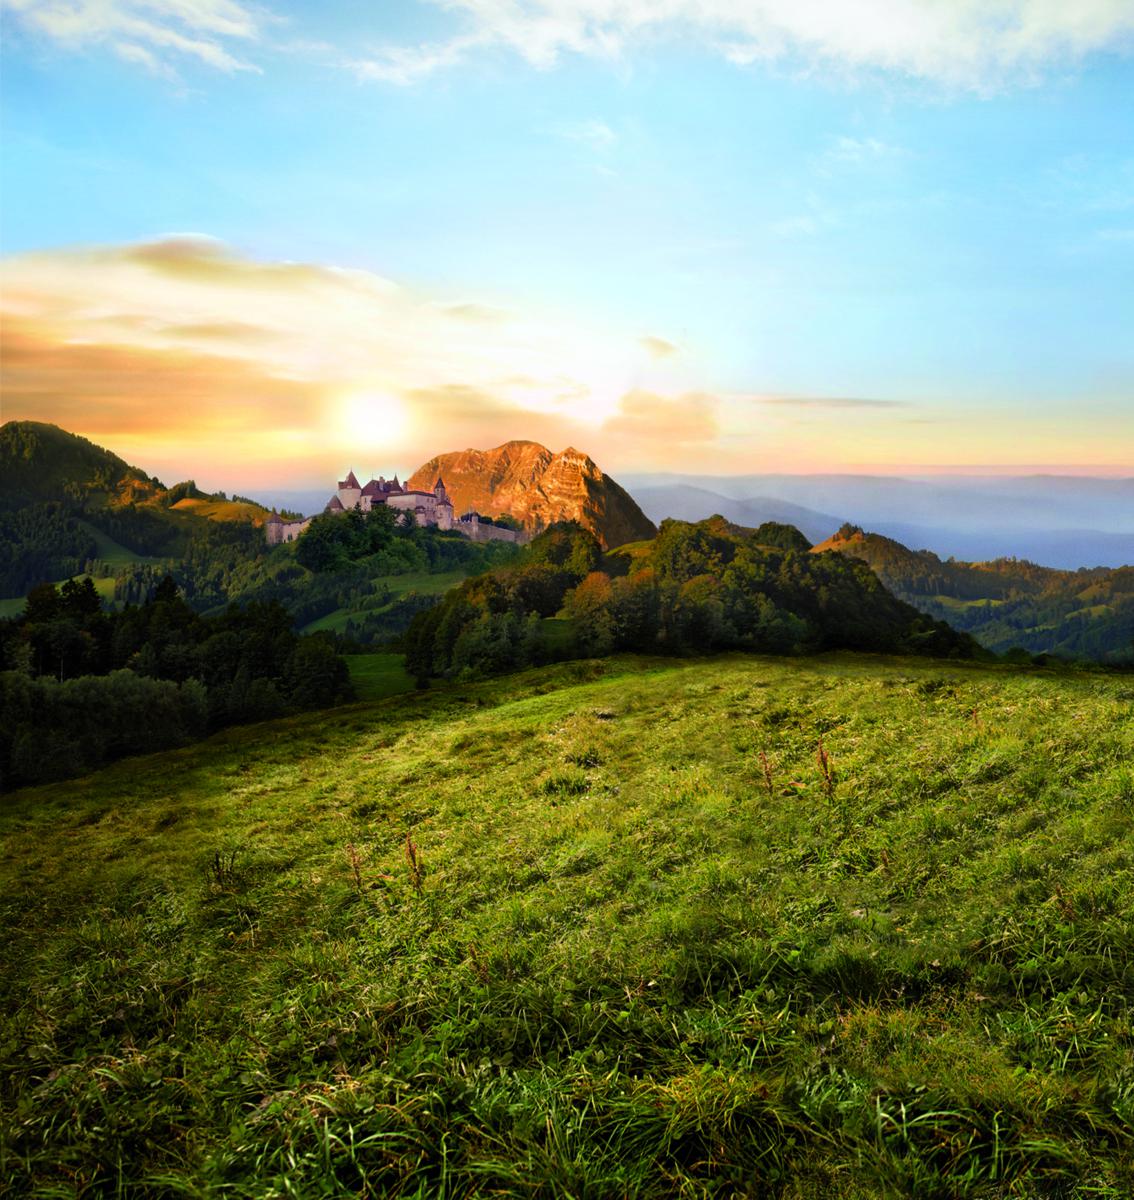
{"points": [[220, 510], [110, 551], [421, 582], [376, 676], [840, 927]]}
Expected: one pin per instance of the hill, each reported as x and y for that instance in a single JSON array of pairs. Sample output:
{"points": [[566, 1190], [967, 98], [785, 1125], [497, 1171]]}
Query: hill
{"points": [[41, 463], [68, 506], [1088, 613], [1066, 522], [570, 934], [538, 488]]}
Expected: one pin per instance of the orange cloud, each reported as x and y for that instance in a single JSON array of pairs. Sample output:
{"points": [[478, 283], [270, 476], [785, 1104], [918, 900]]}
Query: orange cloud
{"points": [[655, 420]]}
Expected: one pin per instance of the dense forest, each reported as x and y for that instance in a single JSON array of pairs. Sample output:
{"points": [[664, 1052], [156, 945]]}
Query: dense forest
{"points": [[695, 588], [80, 686], [1008, 603]]}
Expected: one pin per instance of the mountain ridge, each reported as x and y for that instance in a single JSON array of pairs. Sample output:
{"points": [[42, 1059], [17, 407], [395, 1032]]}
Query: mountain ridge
{"points": [[538, 487]]}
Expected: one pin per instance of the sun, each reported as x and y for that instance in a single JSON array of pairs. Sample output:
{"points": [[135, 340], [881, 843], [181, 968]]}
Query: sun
{"points": [[373, 418]]}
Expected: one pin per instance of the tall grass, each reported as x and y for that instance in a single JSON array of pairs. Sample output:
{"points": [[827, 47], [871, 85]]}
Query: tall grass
{"points": [[592, 934]]}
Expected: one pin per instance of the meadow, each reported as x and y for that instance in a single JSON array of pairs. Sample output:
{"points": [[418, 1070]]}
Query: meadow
{"points": [[848, 926]]}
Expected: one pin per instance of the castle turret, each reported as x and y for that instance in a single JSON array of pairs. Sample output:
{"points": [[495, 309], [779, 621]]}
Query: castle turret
{"points": [[273, 529]]}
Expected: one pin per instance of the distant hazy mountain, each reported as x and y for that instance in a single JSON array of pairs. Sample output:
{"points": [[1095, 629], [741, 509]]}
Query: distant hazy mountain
{"points": [[537, 487], [1059, 521], [695, 504]]}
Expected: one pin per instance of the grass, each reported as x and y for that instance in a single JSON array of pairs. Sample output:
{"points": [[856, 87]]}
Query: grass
{"points": [[15, 607], [570, 935], [420, 582], [220, 510], [956, 604], [376, 676], [112, 552]]}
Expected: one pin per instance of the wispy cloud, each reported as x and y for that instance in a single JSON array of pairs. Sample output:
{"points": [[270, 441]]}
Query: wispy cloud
{"points": [[405, 65], [154, 34], [594, 134], [659, 347], [959, 43], [831, 402], [856, 152], [659, 421]]}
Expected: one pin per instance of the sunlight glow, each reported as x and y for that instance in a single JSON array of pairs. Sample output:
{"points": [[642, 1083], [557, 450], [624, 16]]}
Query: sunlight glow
{"points": [[373, 419]]}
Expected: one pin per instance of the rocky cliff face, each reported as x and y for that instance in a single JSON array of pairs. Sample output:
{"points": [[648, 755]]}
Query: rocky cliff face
{"points": [[538, 488]]}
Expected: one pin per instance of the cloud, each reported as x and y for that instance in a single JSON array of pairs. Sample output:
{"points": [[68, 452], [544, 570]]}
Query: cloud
{"points": [[130, 390], [646, 417], [184, 332], [595, 135], [850, 151], [831, 402], [405, 65], [470, 311], [154, 34], [659, 347], [977, 44]]}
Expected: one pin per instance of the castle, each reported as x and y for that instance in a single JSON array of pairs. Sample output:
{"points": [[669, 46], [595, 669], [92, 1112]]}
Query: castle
{"points": [[425, 508]]}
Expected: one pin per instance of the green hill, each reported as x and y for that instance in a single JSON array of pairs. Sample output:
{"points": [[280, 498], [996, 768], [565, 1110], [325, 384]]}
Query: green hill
{"points": [[607, 929], [41, 463], [1008, 602], [68, 506]]}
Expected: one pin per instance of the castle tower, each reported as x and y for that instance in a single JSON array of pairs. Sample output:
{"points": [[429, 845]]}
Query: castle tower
{"points": [[273, 529]]}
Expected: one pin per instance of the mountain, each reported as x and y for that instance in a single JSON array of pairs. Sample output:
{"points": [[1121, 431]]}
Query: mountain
{"points": [[1007, 602], [1061, 521], [537, 487], [686, 503]]}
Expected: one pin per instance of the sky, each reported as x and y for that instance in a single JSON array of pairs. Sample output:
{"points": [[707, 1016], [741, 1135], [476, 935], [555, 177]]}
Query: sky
{"points": [[258, 244]]}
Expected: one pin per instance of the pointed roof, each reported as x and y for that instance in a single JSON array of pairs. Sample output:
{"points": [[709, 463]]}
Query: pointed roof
{"points": [[350, 480], [336, 505], [373, 488], [275, 518]]}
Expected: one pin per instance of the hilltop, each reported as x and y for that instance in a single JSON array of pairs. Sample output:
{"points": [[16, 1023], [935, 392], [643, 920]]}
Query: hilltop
{"points": [[529, 482], [569, 934], [1008, 602]]}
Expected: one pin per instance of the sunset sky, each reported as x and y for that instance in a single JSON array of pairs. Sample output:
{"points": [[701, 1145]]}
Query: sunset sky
{"points": [[257, 244]]}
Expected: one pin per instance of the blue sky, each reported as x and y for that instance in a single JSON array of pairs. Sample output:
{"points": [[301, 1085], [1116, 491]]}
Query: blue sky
{"points": [[851, 248]]}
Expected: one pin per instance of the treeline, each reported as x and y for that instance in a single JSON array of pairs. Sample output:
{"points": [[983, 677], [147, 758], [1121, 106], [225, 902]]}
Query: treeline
{"points": [[41, 541], [80, 686], [391, 544], [695, 588]]}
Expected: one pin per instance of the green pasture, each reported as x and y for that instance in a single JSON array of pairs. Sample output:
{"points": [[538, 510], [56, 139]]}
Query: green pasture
{"points": [[837, 927]]}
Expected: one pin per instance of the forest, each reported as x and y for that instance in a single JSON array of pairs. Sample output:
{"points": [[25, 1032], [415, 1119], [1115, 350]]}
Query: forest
{"points": [[696, 588], [80, 686]]}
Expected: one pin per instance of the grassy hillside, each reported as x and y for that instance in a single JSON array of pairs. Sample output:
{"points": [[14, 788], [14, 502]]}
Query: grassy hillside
{"points": [[569, 934], [395, 587], [215, 509]]}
